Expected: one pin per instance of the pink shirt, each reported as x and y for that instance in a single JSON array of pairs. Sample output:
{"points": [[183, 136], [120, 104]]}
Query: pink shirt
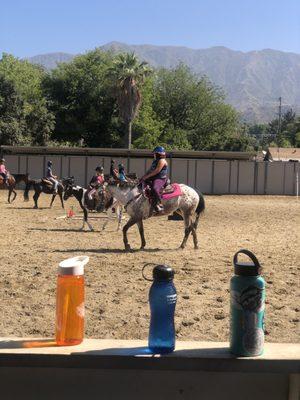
{"points": [[3, 170], [100, 179]]}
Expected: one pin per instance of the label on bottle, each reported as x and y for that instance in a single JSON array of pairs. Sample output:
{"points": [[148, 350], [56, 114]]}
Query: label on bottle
{"points": [[80, 310], [171, 298], [247, 320]]}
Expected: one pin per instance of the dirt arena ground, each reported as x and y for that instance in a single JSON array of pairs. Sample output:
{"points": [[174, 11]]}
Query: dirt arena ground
{"points": [[33, 242]]}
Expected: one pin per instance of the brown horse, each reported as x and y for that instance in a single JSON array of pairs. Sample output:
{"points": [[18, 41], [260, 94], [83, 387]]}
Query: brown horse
{"points": [[12, 181]]}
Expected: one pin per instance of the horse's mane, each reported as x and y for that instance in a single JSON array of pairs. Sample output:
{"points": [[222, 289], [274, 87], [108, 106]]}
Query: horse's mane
{"points": [[123, 185]]}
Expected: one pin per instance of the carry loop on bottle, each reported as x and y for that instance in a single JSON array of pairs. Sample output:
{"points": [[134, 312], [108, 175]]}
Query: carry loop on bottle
{"points": [[162, 300], [70, 301], [247, 307]]}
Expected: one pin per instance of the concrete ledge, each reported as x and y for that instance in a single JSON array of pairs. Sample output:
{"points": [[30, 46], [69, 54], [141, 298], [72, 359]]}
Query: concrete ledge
{"points": [[132, 354]]}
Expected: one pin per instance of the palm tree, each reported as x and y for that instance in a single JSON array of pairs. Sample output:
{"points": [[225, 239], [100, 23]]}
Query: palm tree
{"points": [[128, 75]]}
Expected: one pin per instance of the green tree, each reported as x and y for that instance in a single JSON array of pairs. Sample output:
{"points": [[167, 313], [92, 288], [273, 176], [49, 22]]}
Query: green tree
{"points": [[128, 75], [192, 110], [27, 80], [12, 122], [82, 100]]}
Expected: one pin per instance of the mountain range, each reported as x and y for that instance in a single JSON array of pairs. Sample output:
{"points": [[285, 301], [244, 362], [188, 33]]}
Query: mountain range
{"points": [[253, 81]]}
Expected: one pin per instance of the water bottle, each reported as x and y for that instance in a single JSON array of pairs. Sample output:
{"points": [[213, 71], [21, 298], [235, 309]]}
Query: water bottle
{"points": [[162, 300], [70, 301], [247, 307]]}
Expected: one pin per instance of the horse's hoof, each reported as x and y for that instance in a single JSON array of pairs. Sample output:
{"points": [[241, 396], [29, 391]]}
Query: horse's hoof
{"points": [[181, 247], [35, 207], [142, 248], [196, 247], [127, 248]]}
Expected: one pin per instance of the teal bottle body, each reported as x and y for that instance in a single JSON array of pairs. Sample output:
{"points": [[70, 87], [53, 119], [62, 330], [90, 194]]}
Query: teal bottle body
{"points": [[247, 309]]}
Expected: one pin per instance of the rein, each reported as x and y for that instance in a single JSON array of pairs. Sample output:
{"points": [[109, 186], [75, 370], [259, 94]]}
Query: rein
{"points": [[131, 200]]}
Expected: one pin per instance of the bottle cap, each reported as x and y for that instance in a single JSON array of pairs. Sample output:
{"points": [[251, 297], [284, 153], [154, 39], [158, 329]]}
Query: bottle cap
{"points": [[163, 273], [246, 268], [73, 266]]}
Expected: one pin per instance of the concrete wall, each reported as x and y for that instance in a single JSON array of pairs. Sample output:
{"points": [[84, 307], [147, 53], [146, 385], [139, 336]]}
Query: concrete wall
{"points": [[117, 369], [207, 176]]}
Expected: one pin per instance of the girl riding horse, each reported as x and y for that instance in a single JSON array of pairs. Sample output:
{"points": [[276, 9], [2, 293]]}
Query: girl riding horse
{"points": [[157, 176]]}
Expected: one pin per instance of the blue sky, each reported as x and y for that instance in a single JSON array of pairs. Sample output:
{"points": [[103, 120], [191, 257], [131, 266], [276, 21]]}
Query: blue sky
{"points": [[30, 27]]}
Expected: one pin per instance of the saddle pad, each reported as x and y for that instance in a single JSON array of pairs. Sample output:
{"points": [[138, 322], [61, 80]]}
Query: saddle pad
{"points": [[176, 192]]}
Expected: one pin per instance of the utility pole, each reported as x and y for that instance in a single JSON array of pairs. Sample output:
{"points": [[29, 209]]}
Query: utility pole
{"points": [[279, 116], [279, 125]]}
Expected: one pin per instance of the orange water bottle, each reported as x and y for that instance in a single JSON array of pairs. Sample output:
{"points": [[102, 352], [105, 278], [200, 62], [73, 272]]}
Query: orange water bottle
{"points": [[70, 301]]}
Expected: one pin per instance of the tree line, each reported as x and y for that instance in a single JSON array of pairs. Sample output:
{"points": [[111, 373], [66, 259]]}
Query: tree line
{"points": [[100, 99]]}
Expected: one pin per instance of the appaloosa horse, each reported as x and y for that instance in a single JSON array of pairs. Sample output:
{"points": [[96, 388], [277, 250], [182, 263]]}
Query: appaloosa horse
{"points": [[12, 181], [138, 205]]}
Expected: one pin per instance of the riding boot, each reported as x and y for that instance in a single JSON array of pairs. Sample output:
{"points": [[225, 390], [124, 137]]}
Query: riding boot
{"points": [[158, 207]]}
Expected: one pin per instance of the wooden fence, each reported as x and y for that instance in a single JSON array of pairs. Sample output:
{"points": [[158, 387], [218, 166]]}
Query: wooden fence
{"points": [[210, 176]]}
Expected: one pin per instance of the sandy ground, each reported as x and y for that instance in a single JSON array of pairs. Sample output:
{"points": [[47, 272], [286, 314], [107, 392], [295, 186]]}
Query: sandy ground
{"points": [[33, 242]]}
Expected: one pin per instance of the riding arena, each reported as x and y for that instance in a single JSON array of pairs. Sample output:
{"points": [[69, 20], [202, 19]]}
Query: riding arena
{"points": [[34, 241]]}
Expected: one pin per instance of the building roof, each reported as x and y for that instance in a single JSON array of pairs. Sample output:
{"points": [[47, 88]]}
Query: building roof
{"points": [[283, 153]]}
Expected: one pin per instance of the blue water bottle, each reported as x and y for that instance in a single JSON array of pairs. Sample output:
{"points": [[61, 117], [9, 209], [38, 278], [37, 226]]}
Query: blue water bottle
{"points": [[247, 307], [162, 299]]}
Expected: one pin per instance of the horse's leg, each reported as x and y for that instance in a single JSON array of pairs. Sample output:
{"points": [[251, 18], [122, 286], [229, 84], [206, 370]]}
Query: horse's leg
{"points": [[120, 215], [108, 217], [52, 200], [61, 200], [35, 199], [187, 230], [15, 195], [131, 222], [85, 218], [194, 233], [141, 230], [9, 194]]}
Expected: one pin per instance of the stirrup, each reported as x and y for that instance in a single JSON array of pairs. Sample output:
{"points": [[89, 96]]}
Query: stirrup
{"points": [[158, 208]]}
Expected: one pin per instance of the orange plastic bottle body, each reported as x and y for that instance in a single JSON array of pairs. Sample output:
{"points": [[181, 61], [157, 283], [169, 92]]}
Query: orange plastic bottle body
{"points": [[70, 310]]}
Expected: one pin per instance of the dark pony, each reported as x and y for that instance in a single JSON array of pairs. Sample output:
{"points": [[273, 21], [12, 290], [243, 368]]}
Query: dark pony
{"points": [[12, 181], [44, 186]]}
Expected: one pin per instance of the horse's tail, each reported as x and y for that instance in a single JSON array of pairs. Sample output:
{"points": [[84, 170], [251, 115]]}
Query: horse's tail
{"points": [[29, 183], [200, 209]]}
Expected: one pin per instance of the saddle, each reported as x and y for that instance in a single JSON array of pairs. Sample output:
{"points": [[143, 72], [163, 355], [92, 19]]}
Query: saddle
{"points": [[170, 191], [46, 182], [168, 188]]}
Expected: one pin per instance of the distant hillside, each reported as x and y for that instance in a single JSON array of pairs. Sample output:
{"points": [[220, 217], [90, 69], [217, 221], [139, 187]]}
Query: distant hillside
{"points": [[50, 61], [253, 81]]}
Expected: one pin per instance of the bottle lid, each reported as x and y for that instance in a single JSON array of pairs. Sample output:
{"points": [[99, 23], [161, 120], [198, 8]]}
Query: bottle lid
{"points": [[73, 266], [163, 273], [246, 268]]}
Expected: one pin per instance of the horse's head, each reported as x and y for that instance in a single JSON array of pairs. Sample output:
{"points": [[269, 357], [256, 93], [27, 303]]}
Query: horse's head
{"points": [[68, 192], [68, 181]]}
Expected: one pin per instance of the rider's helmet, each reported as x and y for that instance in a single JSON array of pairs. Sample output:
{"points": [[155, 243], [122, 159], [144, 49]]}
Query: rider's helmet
{"points": [[159, 150], [49, 163], [2, 160], [99, 169]]}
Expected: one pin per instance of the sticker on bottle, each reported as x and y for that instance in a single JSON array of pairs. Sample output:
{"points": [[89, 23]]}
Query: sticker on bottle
{"points": [[80, 310], [171, 298]]}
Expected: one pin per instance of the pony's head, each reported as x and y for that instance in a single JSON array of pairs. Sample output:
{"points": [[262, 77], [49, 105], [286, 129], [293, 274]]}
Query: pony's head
{"points": [[68, 192]]}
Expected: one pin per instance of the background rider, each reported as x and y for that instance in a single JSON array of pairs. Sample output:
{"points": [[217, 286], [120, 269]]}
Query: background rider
{"points": [[50, 177], [96, 181], [3, 171]]}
